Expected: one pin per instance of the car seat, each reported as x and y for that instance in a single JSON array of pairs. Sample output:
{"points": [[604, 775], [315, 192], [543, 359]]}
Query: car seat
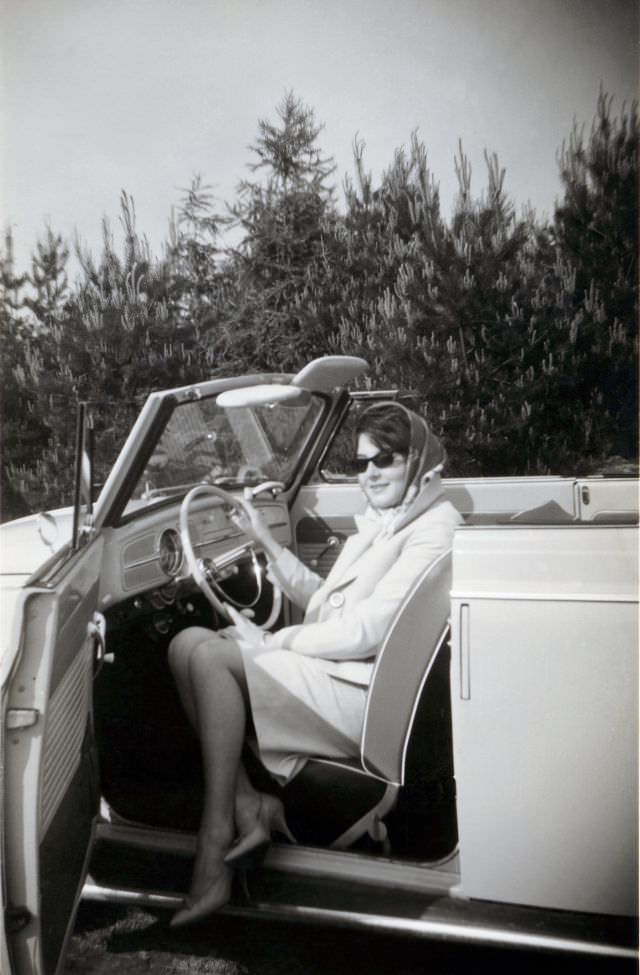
{"points": [[360, 792]]}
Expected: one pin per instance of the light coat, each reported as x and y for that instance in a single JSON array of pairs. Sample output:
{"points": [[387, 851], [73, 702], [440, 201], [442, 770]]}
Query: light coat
{"points": [[348, 614]]}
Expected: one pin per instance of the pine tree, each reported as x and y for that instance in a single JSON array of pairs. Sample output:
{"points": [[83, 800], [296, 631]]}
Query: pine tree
{"points": [[280, 219], [596, 227], [194, 251], [199, 280], [114, 339], [48, 279], [391, 240], [19, 428], [483, 320], [517, 339], [32, 473], [436, 309]]}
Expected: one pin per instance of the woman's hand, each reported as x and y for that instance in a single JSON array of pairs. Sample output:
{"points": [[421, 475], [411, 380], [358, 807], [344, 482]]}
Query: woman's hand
{"points": [[252, 522], [245, 631]]}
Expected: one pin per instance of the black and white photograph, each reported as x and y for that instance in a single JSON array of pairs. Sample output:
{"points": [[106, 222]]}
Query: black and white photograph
{"points": [[319, 487]]}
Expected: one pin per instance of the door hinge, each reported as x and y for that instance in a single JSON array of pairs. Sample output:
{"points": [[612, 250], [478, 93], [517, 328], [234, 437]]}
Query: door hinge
{"points": [[16, 918], [21, 718]]}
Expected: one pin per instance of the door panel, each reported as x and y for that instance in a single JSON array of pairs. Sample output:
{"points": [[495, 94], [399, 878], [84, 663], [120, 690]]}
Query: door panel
{"points": [[320, 512], [322, 518], [545, 714], [609, 500], [51, 791]]}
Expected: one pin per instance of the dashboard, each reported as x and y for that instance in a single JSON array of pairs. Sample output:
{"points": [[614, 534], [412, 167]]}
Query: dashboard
{"points": [[145, 556]]}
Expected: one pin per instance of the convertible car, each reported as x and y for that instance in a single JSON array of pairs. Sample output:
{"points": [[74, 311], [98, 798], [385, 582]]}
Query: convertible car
{"points": [[494, 800]]}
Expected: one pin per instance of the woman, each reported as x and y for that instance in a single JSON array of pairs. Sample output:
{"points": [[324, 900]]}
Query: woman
{"points": [[304, 687]]}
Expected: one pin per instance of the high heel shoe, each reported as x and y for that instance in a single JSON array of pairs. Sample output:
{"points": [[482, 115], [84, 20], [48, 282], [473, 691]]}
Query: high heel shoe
{"points": [[215, 897], [250, 848]]}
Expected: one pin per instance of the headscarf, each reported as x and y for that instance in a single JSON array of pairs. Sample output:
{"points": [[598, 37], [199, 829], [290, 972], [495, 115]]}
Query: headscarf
{"points": [[425, 460]]}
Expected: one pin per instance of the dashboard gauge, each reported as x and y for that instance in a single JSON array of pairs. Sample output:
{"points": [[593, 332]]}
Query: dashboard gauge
{"points": [[170, 553]]}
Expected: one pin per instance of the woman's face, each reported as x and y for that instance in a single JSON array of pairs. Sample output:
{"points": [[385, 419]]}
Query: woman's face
{"points": [[383, 486]]}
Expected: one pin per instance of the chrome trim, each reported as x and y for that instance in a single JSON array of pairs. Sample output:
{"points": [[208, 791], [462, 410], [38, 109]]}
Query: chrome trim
{"points": [[565, 597], [178, 552], [151, 560], [232, 555], [122, 895], [223, 535]]}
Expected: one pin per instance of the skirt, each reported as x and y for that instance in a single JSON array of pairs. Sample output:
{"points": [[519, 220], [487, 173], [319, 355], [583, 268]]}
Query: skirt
{"points": [[300, 710]]}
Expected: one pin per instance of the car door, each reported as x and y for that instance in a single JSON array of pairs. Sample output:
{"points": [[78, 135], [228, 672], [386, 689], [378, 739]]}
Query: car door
{"points": [[50, 788]]}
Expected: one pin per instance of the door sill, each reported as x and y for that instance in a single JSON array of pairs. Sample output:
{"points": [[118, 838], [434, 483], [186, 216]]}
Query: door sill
{"points": [[437, 877], [352, 890]]}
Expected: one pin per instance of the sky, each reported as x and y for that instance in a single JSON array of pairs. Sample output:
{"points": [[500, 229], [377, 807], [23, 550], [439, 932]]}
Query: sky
{"points": [[99, 96]]}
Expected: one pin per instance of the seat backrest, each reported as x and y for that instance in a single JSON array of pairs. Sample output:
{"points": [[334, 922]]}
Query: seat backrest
{"points": [[418, 630]]}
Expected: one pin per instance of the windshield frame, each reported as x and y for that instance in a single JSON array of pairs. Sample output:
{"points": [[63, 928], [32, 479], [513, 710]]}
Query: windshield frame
{"points": [[110, 509]]}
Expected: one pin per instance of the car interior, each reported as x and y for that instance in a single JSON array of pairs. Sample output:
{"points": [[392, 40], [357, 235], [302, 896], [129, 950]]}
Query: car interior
{"points": [[399, 796], [149, 757]]}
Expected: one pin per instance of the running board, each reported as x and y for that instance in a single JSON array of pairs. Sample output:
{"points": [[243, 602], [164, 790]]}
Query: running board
{"points": [[469, 933], [352, 890]]}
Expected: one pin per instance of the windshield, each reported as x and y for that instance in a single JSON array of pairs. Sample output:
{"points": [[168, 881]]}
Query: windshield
{"points": [[204, 443]]}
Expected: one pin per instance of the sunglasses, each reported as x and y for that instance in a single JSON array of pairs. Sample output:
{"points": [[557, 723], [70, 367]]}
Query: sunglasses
{"points": [[384, 458]]}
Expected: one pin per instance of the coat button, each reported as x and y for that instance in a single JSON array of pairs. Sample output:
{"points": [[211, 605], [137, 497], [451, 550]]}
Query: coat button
{"points": [[336, 600]]}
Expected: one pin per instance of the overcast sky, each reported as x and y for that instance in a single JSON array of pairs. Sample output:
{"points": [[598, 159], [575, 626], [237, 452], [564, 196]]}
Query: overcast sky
{"points": [[104, 95]]}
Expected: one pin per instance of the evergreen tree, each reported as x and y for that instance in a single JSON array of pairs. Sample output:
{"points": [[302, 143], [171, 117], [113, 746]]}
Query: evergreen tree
{"points": [[281, 220], [111, 342], [391, 240], [194, 251], [437, 310], [199, 280], [48, 279], [517, 339], [596, 227], [20, 431], [483, 320], [28, 468]]}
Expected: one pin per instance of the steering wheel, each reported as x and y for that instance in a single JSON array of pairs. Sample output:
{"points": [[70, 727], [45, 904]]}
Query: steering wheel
{"points": [[204, 571]]}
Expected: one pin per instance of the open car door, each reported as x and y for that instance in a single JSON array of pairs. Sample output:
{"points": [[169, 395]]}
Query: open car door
{"points": [[50, 792]]}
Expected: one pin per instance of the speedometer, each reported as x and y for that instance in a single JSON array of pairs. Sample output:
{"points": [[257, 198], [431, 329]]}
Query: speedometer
{"points": [[170, 553]]}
